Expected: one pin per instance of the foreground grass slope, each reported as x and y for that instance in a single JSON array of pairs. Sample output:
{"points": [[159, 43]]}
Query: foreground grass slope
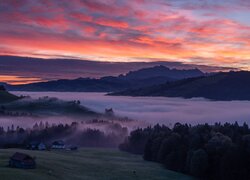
{"points": [[84, 164]]}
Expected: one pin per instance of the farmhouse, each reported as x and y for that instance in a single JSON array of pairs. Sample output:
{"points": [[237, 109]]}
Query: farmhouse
{"points": [[21, 160], [58, 145], [34, 145]]}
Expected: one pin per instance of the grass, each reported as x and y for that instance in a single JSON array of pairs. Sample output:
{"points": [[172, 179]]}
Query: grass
{"points": [[6, 97], [85, 164]]}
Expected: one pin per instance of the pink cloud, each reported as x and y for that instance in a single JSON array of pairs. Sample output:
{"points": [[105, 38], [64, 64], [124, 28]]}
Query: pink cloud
{"points": [[113, 29]]}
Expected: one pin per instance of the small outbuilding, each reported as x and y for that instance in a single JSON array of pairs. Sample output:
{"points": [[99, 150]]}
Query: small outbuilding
{"points": [[21, 160], [72, 148], [32, 145], [41, 146]]}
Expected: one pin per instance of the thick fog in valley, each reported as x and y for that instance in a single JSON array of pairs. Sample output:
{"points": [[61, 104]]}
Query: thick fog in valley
{"points": [[161, 110]]}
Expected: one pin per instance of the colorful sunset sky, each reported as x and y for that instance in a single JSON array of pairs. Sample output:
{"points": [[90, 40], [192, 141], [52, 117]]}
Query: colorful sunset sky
{"points": [[203, 32]]}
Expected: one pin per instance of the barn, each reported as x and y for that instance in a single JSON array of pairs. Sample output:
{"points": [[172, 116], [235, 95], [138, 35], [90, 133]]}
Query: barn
{"points": [[21, 160]]}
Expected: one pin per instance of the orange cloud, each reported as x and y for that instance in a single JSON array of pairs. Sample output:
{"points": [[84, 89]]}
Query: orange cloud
{"points": [[15, 80]]}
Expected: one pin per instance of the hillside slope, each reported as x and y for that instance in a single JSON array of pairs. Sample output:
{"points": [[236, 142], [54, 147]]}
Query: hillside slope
{"points": [[87, 164], [6, 97], [49, 106], [221, 86]]}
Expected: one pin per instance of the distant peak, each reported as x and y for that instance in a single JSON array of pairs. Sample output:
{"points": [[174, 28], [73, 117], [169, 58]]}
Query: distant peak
{"points": [[160, 67]]}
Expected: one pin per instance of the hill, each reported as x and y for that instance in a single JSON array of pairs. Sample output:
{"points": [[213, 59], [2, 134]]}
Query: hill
{"points": [[134, 79], [47, 106], [75, 85], [6, 97], [221, 86], [92, 164]]}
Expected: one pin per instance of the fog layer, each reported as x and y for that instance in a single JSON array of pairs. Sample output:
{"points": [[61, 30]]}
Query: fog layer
{"points": [[160, 109]]}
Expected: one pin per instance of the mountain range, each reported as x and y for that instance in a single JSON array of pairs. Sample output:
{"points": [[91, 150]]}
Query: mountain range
{"points": [[68, 68], [221, 86], [155, 81], [134, 79]]}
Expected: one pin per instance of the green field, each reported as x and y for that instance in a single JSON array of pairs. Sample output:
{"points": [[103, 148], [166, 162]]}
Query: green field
{"points": [[87, 163]]}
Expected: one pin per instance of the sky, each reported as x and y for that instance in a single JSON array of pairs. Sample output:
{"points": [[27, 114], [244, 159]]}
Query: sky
{"points": [[202, 32]]}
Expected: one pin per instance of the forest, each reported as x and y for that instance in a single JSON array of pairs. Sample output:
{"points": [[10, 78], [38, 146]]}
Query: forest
{"points": [[219, 151]]}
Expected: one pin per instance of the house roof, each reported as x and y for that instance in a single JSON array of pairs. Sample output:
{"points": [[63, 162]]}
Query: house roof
{"points": [[21, 157]]}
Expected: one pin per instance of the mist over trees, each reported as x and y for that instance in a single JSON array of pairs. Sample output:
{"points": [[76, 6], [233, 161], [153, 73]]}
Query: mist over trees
{"points": [[72, 134], [205, 151]]}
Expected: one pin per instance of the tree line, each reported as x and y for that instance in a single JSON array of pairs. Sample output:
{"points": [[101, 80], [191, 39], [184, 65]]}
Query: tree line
{"points": [[74, 133], [219, 151]]}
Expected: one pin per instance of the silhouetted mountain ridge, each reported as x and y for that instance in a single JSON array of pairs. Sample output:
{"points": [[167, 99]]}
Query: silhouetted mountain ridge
{"points": [[162, 71], [134, 79], [221, 86]]}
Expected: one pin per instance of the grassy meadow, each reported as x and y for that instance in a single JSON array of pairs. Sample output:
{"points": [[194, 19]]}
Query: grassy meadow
{"points": [[85, 164]]}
